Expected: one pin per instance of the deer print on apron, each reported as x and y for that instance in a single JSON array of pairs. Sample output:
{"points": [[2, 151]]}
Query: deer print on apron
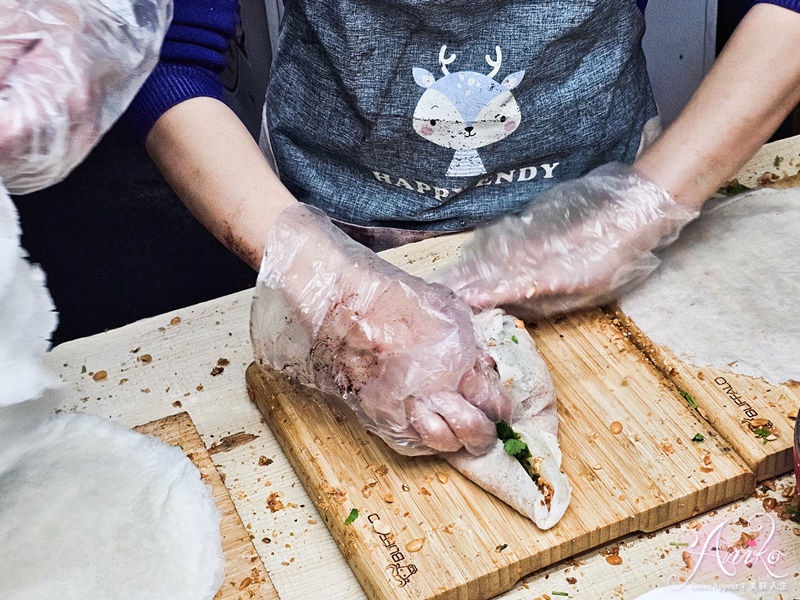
{"points": [[466, 110]]}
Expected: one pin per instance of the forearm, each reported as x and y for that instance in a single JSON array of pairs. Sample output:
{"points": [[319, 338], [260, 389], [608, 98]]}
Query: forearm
{"points": [[750, 90], [211, 161]]}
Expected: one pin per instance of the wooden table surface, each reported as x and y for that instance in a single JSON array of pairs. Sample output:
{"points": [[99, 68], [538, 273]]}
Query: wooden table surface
{"points": [[194, 360]]}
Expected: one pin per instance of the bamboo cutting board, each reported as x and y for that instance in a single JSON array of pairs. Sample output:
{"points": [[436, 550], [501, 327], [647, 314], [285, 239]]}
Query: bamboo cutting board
{"points": [[734, 405], [473, 545], [448, 539], [245, 575]]}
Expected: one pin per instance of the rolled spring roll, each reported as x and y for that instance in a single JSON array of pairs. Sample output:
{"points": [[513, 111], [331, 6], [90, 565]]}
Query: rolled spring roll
{"points": [[539, 490]]}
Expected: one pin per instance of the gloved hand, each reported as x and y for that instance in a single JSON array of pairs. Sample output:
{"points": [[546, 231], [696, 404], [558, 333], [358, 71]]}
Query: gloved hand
{"points": [[68, 69], [575, 245], [400, 352]]}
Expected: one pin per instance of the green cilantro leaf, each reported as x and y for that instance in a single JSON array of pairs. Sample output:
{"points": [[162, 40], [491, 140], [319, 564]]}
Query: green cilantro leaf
{"points": [[514, 339], [762, 433], [83, 369], [352, 516], [515, 447], [698, 437], [689, 399], [559, 593]]}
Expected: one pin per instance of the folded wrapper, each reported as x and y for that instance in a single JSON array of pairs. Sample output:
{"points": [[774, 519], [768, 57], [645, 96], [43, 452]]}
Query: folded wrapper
{"points": [[527, 381]]}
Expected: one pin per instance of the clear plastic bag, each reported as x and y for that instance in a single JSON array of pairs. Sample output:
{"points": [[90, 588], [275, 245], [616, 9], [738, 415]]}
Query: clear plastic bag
{"points": [[68, 70]]}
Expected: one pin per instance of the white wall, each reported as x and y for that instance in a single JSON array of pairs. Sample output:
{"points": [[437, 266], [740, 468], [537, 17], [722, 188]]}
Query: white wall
{"points": [[680, 47]]}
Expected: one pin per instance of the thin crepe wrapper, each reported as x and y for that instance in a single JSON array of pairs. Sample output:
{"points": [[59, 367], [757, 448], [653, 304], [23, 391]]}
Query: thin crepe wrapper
{"points": [[526, 379]]}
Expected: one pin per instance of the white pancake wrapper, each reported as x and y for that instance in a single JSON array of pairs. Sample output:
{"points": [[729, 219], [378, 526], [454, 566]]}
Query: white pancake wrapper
{"points": [[90, 510], [727, 294], [527, 381]]}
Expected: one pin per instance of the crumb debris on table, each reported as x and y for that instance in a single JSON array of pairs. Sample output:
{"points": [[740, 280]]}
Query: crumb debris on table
{"points": [[231, 441], [275, 502]]}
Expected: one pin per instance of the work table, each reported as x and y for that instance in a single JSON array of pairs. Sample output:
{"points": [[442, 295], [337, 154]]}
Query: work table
{"points": [[194, 360]]}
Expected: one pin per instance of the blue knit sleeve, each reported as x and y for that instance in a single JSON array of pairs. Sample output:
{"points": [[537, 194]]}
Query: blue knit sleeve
{"points": [[790, 4], [192, 57]]}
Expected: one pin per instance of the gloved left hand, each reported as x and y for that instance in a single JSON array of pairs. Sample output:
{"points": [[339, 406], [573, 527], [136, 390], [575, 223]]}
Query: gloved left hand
{"points": [[68, 69], [575, 245]]}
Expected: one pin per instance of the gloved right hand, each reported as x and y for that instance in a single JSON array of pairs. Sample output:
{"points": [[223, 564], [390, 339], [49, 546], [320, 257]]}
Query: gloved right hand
{"points": [[68, 69], [400, 352]]}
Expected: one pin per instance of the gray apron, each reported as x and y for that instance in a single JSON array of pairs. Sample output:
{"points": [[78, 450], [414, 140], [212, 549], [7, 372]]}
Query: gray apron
{"points": [[407, 118]]}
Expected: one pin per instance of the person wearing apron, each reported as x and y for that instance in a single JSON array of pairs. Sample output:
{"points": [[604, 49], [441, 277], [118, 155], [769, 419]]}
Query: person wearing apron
{"points": [[394, 121], [407, 117]]}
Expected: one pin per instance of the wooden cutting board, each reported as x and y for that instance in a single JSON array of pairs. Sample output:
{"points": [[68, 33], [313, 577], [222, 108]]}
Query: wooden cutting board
{"points": [[731, 403], [734, 405], [474, 546], [648, 476], [245, 575]]}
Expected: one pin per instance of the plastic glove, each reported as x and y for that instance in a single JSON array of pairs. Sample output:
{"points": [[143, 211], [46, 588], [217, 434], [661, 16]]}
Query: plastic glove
{"points": [[575, 245], [400, 352], [68, 70]]}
